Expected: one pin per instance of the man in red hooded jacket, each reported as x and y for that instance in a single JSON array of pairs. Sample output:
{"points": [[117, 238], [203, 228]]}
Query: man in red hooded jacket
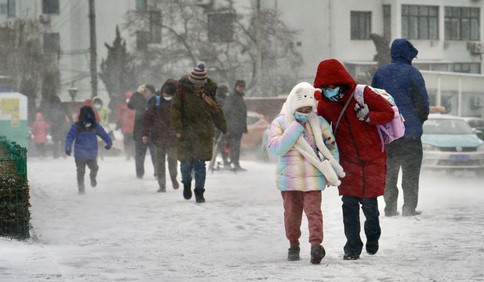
{"points": [[125, 117], [360, 149]]}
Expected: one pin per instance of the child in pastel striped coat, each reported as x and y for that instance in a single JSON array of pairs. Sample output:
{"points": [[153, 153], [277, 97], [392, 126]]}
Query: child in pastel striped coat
{"points": [[308, 162]]}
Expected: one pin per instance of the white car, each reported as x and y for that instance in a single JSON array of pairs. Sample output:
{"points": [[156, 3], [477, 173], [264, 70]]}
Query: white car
{"points": [[450, 143]]}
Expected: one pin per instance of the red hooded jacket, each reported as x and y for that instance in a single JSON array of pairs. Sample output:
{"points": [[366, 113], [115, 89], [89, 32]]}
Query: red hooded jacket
{"points": [[358, 141], [125, 116]]}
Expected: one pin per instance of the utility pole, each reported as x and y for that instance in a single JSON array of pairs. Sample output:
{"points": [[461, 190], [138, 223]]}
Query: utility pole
{"points": [[92, 48], [259, 42]]}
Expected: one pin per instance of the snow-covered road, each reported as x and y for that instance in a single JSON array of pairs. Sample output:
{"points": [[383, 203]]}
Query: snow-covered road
{"points": [[123, 230]]}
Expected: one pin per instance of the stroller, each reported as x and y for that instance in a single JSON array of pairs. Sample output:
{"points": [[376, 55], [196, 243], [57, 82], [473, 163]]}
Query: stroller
{"points": [[221, 145]]}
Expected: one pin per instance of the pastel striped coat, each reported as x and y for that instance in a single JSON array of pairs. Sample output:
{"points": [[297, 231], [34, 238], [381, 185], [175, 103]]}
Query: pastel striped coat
{"points": [[293, 171]]}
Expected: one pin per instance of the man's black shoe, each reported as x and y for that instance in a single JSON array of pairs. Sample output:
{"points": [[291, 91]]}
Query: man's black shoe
{"points": [[411, 213], [372, 247], [351, 256]]}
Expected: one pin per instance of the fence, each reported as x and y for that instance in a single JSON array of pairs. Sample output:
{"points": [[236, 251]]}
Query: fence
{"points": [[14, 190]]}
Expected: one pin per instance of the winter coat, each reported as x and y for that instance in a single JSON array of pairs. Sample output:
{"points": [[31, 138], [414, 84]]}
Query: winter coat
{"points": [[84, 133], [235, 111], [102, 112], [358, 141], [193, 118], [125, 116], [138, 104], [40, 129], [157, 122], [294, 172], [407, 86]]}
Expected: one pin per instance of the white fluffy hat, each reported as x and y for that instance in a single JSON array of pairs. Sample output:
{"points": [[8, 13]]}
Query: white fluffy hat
{"points": [[302, 95]]}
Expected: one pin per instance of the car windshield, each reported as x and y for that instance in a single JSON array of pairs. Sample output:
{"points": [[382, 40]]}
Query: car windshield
{"points": [[446, 126]]}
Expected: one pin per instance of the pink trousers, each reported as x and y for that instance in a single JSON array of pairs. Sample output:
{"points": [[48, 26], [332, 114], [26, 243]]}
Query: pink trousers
{"points": [[295, 202]]}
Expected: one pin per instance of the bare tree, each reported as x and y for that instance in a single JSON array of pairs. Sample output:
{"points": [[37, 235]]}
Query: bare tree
{"points": [[186, 32]]}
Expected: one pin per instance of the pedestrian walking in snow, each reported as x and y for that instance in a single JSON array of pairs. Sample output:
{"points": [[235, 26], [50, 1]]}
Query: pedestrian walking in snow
{"points": [[157, 123], [125, 121], [235, 111], [296, 136], [40, 128], [138, 104], [194, 113], [83, 134], [360, 149], [406, 85]]}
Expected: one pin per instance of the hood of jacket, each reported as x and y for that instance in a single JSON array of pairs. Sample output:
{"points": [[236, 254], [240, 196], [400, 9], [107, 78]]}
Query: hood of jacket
{"points": [[332, 72], [403, 50]]}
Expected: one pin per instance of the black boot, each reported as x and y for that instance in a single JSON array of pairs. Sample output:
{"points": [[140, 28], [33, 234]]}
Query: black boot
{"points": [[187, 191], [199, 195]]}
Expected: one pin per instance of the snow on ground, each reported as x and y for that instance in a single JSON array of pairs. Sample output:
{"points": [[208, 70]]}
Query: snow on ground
{"points": [[123, 230]]}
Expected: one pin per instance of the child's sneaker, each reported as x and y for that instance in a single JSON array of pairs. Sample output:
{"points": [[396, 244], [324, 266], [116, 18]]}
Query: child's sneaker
{"points": [[93, 182], [293, 253], [81, 188], [317, 254]]}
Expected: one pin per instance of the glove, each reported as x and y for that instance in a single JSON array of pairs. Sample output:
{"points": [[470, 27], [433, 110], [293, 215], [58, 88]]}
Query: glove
{"points": [[329, 143], [107, 147], [362, 112], [68, 153]]}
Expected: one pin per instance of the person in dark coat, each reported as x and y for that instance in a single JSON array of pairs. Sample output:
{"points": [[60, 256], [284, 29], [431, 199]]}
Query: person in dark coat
{"points": [[84, 136], [194, 113], [361, 155], [59, 119], [157, 123], [407, 86], [138, 104], [223, 141], [235, 112]]}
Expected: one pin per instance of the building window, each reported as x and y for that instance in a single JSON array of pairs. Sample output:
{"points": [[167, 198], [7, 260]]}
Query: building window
{"points": [[51, 42], [466, 67], [420, 22], [462, 23], [8, 8], [141, 5], [221, 27], [142, 40], [360, 25], [50, 6], [387, 23], [155, 26]]}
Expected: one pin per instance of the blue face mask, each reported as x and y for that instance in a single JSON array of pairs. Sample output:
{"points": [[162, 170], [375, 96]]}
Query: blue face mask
{"points": [[301, 117], [332, 94]]}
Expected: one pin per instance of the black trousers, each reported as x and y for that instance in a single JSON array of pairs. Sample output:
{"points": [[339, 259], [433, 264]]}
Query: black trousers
{"points": [[235, 148], [404, 153], [81, 169], [351, 220]]}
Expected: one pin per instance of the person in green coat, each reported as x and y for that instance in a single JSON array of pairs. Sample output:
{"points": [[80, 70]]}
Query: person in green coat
{"points": [[194, 115]]}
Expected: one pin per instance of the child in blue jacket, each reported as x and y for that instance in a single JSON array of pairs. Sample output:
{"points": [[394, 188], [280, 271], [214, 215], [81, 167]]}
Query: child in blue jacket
{"points": [[84, 133]]}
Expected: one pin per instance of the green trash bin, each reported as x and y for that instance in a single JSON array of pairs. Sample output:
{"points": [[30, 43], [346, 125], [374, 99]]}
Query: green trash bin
{"points": [[14, 118]]}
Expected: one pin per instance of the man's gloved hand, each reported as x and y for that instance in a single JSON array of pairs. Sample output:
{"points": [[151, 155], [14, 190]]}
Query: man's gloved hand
{"points": [[362, 112], [107, 147], [68, 153]]}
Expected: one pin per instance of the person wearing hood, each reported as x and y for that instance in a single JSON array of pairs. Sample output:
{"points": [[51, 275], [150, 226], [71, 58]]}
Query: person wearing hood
{"points": [[125, 122], [406, 85], [83, 134], [361, 156], [299, 137], [40, 128], [194, 115], [157, 124]]}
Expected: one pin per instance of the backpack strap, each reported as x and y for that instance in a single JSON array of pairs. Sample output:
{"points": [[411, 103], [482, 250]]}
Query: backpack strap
{"points": [[343, 111]]}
